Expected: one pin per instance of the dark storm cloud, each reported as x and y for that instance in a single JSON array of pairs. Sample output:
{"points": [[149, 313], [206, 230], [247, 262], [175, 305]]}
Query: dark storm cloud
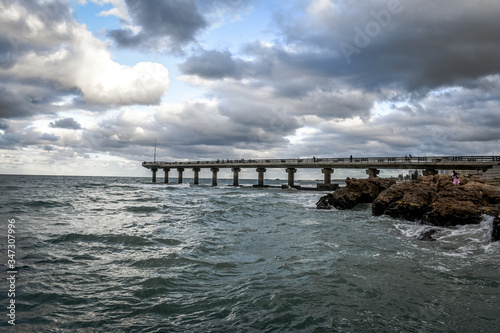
{"points": [[67, 123], [212, 65], [376, 44], [14, 104], [417, 44], [284, 77], [24, 99], [175, 22], [407, 47]]}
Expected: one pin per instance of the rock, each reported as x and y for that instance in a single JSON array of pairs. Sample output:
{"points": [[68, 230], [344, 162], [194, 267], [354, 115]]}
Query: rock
{"points": [[495, 235], [402, 201], [436, 200], [355, 192], [323, 202], [432, 200], [427, 235]]}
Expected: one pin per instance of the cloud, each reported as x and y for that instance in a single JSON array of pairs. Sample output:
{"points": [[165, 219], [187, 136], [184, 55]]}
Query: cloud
{"points": [[7, 53], [170, 26], [417, 44], [210, 124], [160, 25], [25, 99], [212, 65], [270, 83], [67, 123], [3, 125], [407, 53], [48, 46], [49, 137], [422, 81]]}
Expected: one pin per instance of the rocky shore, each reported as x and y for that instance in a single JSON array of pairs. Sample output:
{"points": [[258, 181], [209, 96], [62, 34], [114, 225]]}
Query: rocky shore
{"points": [[355, 192], [432, 200]]}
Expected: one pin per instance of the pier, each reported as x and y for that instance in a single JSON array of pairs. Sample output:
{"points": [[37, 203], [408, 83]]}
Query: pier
{"points": [[429, 164]]}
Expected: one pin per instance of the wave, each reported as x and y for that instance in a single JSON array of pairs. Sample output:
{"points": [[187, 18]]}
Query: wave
{"points": [[458, 241], [141, 209], [170, 260], [174, 186], [168, 241], [109, 238], [47, 204]]}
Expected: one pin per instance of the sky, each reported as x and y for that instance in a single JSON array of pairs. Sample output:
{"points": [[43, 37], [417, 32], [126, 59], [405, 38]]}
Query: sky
{"points": [[87, 86]]}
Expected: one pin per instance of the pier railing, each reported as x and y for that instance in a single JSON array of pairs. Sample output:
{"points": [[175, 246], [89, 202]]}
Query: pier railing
{"points": [[407, 161], [430, 165]]}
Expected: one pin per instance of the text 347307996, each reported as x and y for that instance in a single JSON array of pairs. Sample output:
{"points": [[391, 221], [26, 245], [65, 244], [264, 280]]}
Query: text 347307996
{"points": [[11, 273]]}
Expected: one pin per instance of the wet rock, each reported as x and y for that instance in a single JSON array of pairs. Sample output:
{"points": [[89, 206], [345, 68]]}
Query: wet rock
{"points": [[436, 200], [495, 235], [426, 235], [324, 202], [355, 192]]}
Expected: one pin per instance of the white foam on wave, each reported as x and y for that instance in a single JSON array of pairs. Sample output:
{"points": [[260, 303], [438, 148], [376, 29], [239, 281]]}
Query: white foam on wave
{"points": [[412, 230], [161, 185], [459, 241], [308, 202], [478, 233], [183, 185]]}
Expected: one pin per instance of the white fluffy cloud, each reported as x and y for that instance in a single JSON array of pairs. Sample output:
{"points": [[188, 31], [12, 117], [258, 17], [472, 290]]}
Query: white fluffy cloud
{"points": [[73, 59]]}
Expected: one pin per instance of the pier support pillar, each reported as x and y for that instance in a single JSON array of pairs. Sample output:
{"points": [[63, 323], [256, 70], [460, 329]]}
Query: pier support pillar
{"points": [[372, 172], [328, 175], [291, 173], [261, 177], [235, 175], [430, 172], [196, 175], [154, 174], [180, 170], [327, 185], [166, 170], [214, 176]]}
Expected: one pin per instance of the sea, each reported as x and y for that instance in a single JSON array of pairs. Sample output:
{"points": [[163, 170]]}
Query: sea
{"points": [[105, 254]]}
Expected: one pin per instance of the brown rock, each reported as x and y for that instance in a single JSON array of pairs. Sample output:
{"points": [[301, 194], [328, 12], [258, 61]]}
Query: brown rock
{"points": [[435, 200], [449, 213], [355, 192], [402, 201]]}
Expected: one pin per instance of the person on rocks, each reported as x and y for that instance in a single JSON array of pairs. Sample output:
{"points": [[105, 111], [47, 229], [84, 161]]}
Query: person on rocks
{"points": [[454, 178]]}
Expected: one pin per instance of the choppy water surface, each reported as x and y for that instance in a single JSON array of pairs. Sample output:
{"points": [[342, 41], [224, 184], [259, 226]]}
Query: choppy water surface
{"points": [[122, 254]]}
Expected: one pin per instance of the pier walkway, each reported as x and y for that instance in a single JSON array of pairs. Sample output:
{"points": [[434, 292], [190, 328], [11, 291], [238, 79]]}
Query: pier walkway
{"points": [[429, 164]]}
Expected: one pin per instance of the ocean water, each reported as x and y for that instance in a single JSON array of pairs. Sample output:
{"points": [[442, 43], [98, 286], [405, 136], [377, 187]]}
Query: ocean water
{"points": [[102, 254]]}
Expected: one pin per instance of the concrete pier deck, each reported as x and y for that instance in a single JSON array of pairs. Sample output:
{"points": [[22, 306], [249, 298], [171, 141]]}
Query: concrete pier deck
{"points": [[430, 165]]}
